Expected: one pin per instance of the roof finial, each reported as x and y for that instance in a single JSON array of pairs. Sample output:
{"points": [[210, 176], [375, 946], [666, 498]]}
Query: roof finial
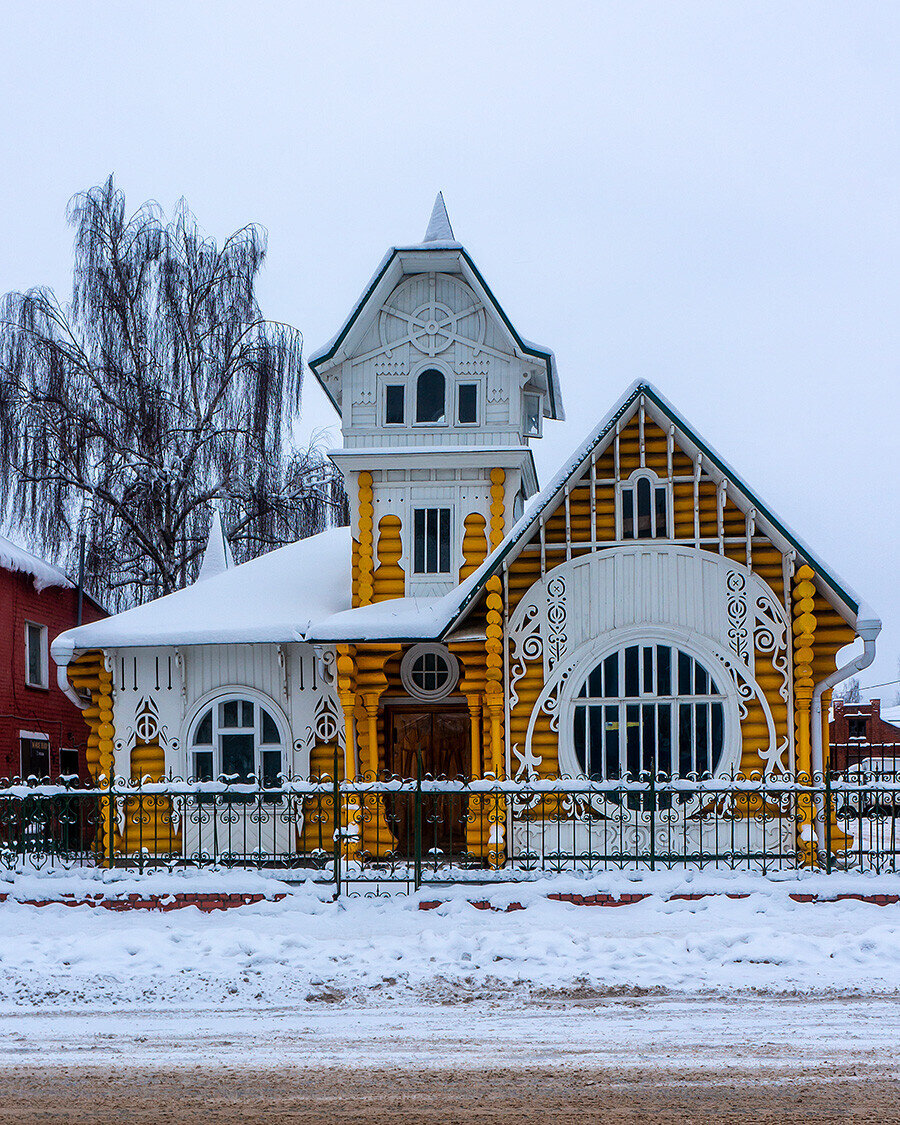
{"points": [[217, 558], [439, 229]]}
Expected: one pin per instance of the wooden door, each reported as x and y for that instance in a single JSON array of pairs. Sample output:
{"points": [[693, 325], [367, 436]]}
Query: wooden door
{"points": [[442, 740]]}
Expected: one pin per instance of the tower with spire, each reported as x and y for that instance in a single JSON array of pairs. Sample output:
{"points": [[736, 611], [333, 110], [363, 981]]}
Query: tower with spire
{"points": [[439, 397]]}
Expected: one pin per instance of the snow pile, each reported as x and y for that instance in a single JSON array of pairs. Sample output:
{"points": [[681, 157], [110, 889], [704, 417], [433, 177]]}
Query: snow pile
{"points": [[17, 559], [361, 952]]}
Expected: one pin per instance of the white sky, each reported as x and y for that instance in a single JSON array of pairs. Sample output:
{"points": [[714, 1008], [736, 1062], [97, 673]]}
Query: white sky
{"points": [[701, 194]]}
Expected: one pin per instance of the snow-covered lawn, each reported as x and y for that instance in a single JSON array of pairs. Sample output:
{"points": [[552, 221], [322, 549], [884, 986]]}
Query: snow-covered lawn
{"points": [[334, 982]]}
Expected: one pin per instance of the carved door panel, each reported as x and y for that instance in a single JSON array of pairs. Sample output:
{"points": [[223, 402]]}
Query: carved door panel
{"points": [[442, 739]]}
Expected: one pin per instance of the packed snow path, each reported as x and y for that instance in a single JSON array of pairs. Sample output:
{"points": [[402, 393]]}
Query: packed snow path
{"points": [[757, 982]]}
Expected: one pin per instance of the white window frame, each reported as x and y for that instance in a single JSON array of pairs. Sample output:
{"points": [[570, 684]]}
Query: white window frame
{"points": [[241, 695], [385, 382], [479, 399], [419, 576], [631, 485], [540, 413], [44, 656], [406, 672]]}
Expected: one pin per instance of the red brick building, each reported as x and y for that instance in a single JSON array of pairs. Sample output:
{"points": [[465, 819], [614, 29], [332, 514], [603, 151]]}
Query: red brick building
{"points": [[41, 731], [857, 731]]}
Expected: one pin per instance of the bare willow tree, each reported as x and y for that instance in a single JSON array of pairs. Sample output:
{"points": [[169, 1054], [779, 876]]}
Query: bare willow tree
{"points": [[158, 391]]}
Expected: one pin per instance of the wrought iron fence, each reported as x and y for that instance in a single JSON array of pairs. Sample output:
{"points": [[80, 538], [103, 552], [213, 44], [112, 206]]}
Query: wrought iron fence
{"points": [[372, 834]]}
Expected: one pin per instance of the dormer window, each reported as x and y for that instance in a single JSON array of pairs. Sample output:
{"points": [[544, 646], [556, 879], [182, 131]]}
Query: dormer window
{"points": [[394, 413], [644, 507], [430, 397], [531, 414], [467, 404]]}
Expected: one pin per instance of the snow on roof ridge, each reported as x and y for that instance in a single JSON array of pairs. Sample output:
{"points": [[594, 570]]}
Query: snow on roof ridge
{"points": [[18, 560], [439, 228]]}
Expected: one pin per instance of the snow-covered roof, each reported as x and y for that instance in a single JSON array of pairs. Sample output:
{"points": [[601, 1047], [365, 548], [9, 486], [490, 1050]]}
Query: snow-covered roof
{"points": [[891, 715], [44, 574], [273, 599], [439, 238]]}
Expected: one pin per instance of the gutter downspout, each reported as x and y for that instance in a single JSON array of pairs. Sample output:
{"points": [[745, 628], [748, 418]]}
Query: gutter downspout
{"points": [[61, 660], [868, 630]]}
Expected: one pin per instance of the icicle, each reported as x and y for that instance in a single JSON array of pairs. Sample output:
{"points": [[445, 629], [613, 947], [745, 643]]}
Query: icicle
{"points": [[217, 557]]}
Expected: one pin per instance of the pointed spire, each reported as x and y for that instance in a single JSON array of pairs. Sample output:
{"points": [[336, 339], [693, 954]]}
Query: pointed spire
{"points": [[439, 229], [217, 557]]}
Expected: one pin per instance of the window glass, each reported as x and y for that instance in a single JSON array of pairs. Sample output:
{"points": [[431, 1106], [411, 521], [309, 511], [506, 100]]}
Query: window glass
{"points": [[203, 765], [649, 727], [68, 761], [531, 415], [430, 397], [393, 405], [35, 758], [34, 643], [467, 404], [238, 740], [644, 509], [431, 540], [237, 755], [269, 729]]}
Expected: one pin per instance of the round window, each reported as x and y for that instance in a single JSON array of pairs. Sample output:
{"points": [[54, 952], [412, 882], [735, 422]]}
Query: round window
{"points": [[429, 672]]}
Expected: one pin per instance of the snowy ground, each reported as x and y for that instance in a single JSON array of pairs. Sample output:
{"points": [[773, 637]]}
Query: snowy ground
{"points": [[761, 982]]}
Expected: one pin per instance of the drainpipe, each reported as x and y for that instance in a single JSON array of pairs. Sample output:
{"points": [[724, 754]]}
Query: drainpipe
{"points": [[868, 629], [62, 656]]}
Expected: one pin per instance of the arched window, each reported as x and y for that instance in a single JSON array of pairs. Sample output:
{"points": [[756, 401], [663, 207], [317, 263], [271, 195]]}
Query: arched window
{"points": [[237, 740], [430, 395], [644, 507], [648, 708]]}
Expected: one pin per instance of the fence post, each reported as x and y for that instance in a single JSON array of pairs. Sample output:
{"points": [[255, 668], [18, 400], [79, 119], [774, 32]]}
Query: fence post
{"points": [[336, 797], [417, 809], [111, 812], [828, 802], [652, 820]]}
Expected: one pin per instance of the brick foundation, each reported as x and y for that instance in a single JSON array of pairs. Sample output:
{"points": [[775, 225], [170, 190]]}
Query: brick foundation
{"points": [[216, 901]]}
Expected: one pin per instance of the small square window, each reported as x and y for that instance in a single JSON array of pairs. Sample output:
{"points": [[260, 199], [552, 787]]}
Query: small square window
{"points": [[35, 655], [68, 762], [467, 404], [393, 404], [531, 415], [857, 727], [35, 758]]}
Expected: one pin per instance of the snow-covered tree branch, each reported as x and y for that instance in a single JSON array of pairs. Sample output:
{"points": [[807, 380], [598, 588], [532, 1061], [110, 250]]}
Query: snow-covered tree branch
{"points": [[159, 391]]}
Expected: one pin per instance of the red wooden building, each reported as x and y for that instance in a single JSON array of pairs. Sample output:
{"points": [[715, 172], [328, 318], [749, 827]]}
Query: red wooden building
{"points": [[42, 733], [859, 732]]}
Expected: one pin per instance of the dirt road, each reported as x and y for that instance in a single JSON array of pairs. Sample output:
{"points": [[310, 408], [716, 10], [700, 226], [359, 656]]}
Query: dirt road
{"points": [[187, 1096]]}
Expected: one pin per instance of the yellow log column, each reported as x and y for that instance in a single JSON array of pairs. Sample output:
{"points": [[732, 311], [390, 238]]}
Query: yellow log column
{"points": [[494, 675], [346, 685], [106, 734], [804, 628], [365, 586]]}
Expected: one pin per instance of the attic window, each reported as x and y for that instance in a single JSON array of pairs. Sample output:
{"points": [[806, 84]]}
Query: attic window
{"points": [[430, 397], [393, 404], [644, 507], [531, 415]]}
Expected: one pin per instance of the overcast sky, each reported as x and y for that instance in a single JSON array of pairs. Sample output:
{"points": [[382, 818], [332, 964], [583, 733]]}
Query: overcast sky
{"points": [[701, 194]]}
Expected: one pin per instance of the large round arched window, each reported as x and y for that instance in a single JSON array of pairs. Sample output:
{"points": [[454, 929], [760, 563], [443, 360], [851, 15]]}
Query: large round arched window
{"points": [[236, 740], [648, 708]]}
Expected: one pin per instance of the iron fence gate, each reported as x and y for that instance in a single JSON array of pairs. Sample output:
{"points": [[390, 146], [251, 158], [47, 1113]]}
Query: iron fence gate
{"points": [[372, 834]]}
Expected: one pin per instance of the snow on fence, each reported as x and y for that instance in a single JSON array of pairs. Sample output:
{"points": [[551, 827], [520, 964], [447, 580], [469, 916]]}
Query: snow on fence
{"points": [[368, 832]]}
